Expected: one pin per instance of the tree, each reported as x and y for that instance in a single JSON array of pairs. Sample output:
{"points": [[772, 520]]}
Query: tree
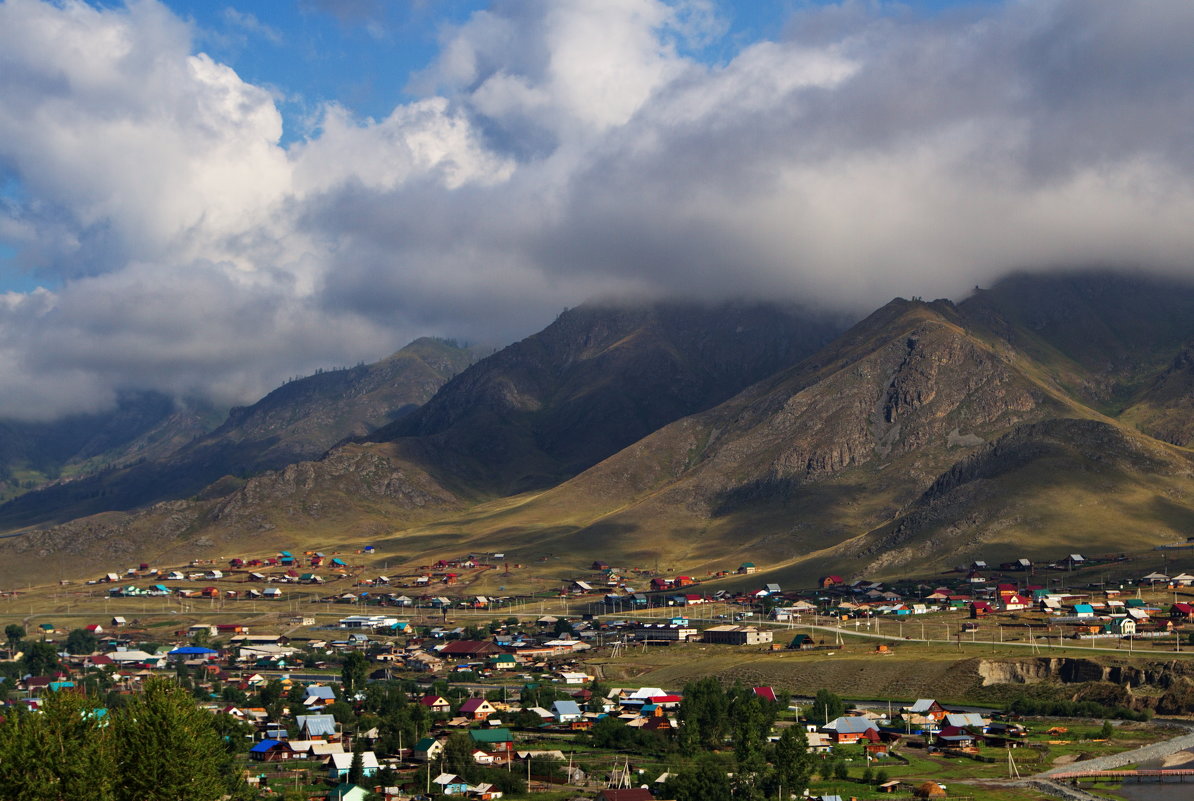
{"points": [[356, 770], [81, 641], [14, 633], [708, 782], [61, 752], [826, 707], [793, 763], [353, 671], [167, 749], [1108, 730], [704, 715], [40, 658], [458, 755]]}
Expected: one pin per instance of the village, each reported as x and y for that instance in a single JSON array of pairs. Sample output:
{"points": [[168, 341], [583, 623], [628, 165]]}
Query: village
{"points": [[344, 682]]}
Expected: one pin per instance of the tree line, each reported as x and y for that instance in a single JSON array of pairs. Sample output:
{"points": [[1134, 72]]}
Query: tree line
{"points": [[158, 747]]}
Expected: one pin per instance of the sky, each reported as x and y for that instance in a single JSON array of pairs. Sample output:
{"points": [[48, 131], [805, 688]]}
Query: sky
{"points": [[205, 199]]}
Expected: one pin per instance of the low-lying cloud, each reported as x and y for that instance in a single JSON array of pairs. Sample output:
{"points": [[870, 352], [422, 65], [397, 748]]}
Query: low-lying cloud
{"points": [[562, 151]]}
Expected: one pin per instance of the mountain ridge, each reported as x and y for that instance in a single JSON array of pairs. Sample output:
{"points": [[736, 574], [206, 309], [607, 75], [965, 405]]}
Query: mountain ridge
{"points": [[919, 434]]}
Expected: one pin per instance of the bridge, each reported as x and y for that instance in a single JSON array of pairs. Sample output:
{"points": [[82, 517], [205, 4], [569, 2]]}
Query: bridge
{"points": [[1122, 774]]}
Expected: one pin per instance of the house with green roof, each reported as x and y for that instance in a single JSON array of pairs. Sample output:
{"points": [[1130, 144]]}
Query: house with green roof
{"points": [[427, 749], [493, 740]]}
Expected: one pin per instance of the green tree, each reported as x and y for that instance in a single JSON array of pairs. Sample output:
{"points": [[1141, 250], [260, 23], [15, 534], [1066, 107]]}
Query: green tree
{"points": [[750, 727], [356, 770], [708, 781], [703, 716], [791, 763], [61, 752], [167, 749], [1108, 730], [40, 658], [342, 712], [14, 633], [458, 755], [353, 672], [81, 641], [826, 707]]}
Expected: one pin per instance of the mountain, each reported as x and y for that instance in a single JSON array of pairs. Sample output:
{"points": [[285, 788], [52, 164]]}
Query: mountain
{"points": [[297, 421], [1040, 416], [141, 425], [809, 457], [1103, 336], [596, 380]]}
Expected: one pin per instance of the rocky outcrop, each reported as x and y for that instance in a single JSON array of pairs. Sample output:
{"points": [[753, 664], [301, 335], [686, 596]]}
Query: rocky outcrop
{"points": [[1073, 670]]}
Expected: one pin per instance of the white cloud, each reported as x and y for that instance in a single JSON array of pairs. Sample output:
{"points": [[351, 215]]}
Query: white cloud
{"points": [[562, 151]]}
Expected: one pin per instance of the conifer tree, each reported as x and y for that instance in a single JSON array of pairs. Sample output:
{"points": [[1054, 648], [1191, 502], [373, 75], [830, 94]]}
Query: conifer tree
{"points": [[167, 749], [62, 752]]}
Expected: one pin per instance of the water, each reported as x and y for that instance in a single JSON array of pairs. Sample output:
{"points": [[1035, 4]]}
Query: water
{"points": [[1153, 791]]}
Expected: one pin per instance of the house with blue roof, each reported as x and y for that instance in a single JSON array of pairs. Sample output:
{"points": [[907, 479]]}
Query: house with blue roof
{"points": [[271, 751], [566, 711], [312, 727]]}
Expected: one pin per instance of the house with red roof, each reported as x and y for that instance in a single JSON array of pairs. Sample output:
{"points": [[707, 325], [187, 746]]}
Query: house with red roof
{"points": [[436, 703], [477, 709], [766, 693]]}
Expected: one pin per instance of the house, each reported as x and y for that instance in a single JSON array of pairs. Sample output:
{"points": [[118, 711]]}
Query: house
{"points": [[966, 720], [271, 751], [826, 582], [955, 737], [928, 708], [496, 741], [1181, 611], [315, 727], [627, 794], [348, 792], [737, 635], [436, 703], [427, 749], [981, 609], [340, 764], [450, 784], [1123, 626], [318, 694], [851, 729], [469, 649], [566, 711], [1016, 602], [477, 709]]}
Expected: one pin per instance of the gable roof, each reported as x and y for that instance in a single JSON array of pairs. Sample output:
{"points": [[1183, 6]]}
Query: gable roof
{"points": [[565, 708], [344, 761], [852, 724], [491, 736], [316, 725]]}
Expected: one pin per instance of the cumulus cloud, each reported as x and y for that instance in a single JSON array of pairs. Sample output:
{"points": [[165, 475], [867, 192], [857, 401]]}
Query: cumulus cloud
{"points": [[560, 151]]}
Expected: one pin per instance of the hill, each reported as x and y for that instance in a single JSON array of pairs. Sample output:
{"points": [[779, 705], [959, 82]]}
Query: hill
{"points": [[141, 425], [300, 420], [596, 380]]}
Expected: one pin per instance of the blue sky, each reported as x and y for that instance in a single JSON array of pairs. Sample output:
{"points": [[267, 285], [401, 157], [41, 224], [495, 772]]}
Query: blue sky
{"points": [[361, 54], [206, 198]]}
